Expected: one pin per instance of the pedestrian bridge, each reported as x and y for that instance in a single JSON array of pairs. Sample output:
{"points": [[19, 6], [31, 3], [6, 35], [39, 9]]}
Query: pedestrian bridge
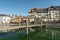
{"points": [[12, 26], [6, 27]]}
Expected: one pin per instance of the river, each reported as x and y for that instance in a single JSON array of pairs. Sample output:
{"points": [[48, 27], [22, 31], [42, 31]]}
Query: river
{"points": [[38, 34]]}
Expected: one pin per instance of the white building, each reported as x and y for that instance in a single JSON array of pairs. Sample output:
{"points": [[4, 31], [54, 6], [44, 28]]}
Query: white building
{"points": [[37, 14], [54, 12], [4, 18], [47, 14]]}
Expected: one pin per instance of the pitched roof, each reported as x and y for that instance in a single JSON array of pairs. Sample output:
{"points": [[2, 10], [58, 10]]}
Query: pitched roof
{"points": [[4, 15], [54, 7], [38, 10], [44, 10]]}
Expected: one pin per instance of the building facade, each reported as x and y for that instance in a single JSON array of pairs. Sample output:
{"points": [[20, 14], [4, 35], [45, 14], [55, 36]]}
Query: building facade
{"points": [[47, 14], [54, 12], [5, 18]]}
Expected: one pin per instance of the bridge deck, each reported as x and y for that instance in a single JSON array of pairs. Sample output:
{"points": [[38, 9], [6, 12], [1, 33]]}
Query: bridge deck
{"points": [[16, 27], [7, 27]]}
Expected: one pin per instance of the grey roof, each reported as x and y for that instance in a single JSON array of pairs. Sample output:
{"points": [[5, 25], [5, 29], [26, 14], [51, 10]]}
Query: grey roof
{"points": [[4, 15], [54, 8], [44, 10]]}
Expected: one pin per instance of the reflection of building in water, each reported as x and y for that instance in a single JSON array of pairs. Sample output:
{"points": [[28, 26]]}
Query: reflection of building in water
{"points": [[5, 18]]}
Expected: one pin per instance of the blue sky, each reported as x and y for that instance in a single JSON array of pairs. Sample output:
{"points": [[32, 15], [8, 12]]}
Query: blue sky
{"points": [[21, 7]]}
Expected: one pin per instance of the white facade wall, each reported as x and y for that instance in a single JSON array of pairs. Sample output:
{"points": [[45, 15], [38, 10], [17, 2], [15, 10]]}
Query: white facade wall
{"points": [[54, 14], [5, 19], [1, 19]]}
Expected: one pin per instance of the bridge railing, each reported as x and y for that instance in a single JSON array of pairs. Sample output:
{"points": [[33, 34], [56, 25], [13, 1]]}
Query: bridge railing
{"points": [[23, 24]]}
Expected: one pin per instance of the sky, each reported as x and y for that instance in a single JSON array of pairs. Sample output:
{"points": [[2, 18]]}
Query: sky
{"points": [[22, 7]]}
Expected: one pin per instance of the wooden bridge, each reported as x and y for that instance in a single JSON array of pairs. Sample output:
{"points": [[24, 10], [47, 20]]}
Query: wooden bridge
{"points": [[6, 27], [12, 26]]}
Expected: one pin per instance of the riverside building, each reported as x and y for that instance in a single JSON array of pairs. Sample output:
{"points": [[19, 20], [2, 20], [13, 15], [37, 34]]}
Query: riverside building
{"points": [[51, 13]]}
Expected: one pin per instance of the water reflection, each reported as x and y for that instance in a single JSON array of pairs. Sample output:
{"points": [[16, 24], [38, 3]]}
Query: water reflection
{"points": [[44, 33], [52, 33]]}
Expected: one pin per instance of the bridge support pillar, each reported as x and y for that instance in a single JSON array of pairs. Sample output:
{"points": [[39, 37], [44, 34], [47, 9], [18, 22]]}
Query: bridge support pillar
{"points": [[27, 26]]}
